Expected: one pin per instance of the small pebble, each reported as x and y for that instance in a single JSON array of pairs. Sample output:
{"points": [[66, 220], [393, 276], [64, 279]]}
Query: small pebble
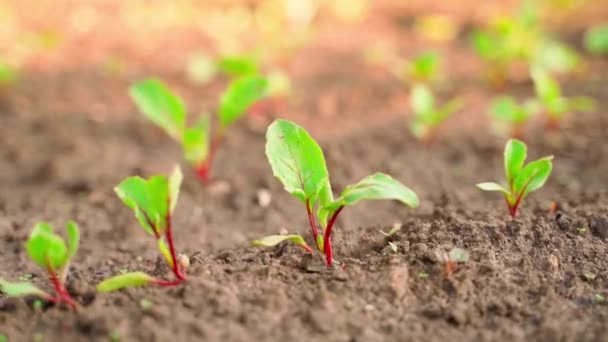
{"points": [[264, 198]]}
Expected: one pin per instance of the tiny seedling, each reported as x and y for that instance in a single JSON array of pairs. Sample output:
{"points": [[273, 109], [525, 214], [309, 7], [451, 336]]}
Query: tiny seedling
{"points": [[553, 55], [298, 162], [168, 111], [423, 68], [153, 200], [427, 115], [596, 39], [8, 74], [555, 105], [521, 179], [453, 258], [507, 110], [51, 252]]}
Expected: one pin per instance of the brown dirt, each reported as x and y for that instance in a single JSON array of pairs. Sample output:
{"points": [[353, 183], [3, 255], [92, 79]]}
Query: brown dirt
{"points": [[68, 138], [525, 279]]}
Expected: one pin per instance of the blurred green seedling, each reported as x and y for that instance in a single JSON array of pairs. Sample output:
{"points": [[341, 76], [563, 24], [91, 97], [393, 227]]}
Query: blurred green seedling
{"points": [[51, 252], [554, 104], [596, 39], [8, 74], [428, 116], [298, 162], [554, 56], [507, 111], [202, 68], [521, 180], [153, 201], [423, 68], [165, 109]]}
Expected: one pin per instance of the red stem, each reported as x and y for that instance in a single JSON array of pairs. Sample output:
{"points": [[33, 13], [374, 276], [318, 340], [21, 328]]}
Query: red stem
{"points": [[326, 238], [169, 236], [62, 294], [311, 220], [166, 283], [203, 170]]}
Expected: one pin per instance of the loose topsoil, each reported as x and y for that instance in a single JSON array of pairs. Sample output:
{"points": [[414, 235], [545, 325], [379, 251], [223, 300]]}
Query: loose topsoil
{"points": [[540, 277]]}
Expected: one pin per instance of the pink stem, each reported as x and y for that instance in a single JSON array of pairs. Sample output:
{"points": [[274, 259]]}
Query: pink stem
{"points": [[327, 237], [169, 235], [167, 283], [311, 220], [203, 171], [62, 294]]}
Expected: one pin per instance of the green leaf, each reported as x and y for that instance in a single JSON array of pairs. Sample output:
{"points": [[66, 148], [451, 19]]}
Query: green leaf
{"points": [[425, 65], [273, 240], [46, 248], [580, 103], [514, 158], [491, 186], [296, 160], [239, 96], [73, 238], [325, 197], [175, 182], [554, 56], [547, 89], [238, 66], [447, 110], [160, 105], [196, 142], [422, 100], [124, 280], [21, 289], [533, 176], [147, 198], [375, 187], [596, 39]]}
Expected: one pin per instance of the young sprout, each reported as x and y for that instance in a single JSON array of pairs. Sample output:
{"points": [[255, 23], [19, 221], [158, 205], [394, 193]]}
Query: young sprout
{"points": [[452, 259], [427, 115], [52, 253], [521, 180], [506, 110], [8, 74], [167, 110], [555, 105], [596, 39], [153, 200], [298, 162], [424, 68]]}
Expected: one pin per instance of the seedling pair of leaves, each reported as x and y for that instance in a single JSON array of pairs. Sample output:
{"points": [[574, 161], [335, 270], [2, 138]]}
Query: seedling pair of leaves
{"points": [[53, 254], [555, 105], [452, 259], [507, 110], [153, 201], [428, 116], [298, 162], [167, 110], [521, 180]]}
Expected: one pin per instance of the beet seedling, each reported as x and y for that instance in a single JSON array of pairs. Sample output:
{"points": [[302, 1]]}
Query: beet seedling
{"points": [[427, 115], [452, 259], [508, 111], [52, 253], [298, 162], [555, 105], [521, 179], [167, 110], [153, 200]]}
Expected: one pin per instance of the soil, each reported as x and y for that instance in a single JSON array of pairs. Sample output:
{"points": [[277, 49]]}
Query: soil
{"points": [[68, 138]]}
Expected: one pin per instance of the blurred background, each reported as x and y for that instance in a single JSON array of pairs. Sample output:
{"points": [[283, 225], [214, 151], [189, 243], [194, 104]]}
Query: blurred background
{"points": [[330, 59]]}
